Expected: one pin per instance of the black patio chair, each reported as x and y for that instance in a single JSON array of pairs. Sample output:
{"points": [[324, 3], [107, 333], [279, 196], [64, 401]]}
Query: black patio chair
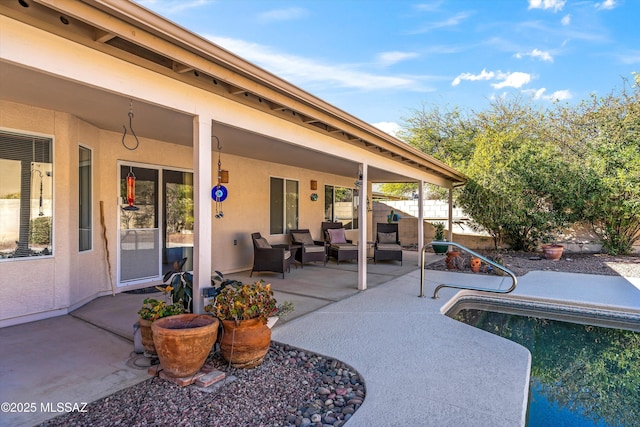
{"points": [[387, 245], [338, 246], [306, 249], [266, 257]]}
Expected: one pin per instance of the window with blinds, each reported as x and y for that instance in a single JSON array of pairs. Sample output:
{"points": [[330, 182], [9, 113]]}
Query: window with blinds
{"points": [[26, 196]]}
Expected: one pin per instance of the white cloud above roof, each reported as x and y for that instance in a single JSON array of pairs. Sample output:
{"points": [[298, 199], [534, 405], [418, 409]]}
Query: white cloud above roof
{"points": [[390, 58], [536, 54], [539, 94], [555, 5], [566, 20], [392, 128], [308, 72], [606, 5], [277, 15]]}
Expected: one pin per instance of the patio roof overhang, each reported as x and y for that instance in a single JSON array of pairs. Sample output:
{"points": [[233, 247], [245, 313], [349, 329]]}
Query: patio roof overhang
{"points": [[148, 40]]}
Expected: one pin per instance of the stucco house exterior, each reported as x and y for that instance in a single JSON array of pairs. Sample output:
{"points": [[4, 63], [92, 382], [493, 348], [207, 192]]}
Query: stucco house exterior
{"points": [[94, 91]]}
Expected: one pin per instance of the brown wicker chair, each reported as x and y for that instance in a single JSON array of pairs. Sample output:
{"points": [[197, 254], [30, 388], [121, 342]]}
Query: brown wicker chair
{"points": [[387, 246], [276, 258], [307, 249], [341, 250]]}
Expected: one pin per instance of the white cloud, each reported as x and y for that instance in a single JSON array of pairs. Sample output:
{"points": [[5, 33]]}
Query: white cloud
{"points": [[454, 21], [566, 20], [484, 75], [539, 94], [606, 5], [536, 53], [305, 71], [556, 5], [429, 7], [516, 80], [167, 7], [392, 128], [283, 14], [390, 58]]}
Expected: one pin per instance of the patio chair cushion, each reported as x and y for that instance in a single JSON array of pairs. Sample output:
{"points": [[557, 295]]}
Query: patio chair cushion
{"points": [[314, 248], [387, 238], [304, 238], [344, 246], [389, 247], [287, 254], [262, 243], [337, 235]]}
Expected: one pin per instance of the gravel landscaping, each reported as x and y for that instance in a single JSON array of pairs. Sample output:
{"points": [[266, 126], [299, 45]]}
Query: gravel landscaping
{"points": [[290, 388]]}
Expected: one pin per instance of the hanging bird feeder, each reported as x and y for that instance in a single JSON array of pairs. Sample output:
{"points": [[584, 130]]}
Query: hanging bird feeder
{"points": [[131, 191]]}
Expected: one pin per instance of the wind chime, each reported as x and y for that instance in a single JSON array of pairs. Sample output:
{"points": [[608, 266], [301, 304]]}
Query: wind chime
{"points": [[219, 192], [131, 178]]}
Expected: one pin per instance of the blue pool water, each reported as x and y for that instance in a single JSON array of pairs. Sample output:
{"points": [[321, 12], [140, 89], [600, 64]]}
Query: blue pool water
{"points": [[581, 375]]}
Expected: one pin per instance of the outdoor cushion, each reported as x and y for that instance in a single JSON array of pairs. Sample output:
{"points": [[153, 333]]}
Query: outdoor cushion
{"points": [[336, 235], [389, 247], [262, 243], [387, 238], [304, 238], [287, 254], [344, 246], [314, 248]]}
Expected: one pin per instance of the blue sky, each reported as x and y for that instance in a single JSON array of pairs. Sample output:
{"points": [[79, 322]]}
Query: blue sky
{"points": [[380, 60]]}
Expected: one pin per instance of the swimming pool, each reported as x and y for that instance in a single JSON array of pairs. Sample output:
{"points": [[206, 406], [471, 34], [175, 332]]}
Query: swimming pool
{"points": [[581, 374]]}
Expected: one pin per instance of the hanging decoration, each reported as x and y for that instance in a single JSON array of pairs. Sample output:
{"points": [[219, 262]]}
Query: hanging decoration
{"points": [[131, 129], [131, 191], [219, 192]]}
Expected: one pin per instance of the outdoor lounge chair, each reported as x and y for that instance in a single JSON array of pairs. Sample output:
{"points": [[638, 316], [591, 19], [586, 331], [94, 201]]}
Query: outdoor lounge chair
{"points": [[307, 249], [387, 245], [338, 246], [276, 258]]}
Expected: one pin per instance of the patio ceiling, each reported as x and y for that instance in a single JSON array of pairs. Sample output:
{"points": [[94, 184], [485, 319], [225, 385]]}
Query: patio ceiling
{"points": [[109, 111]]}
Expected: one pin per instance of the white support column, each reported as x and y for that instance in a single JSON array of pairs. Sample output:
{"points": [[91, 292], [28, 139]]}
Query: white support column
{"points": [[363, 225], [420, 219], [450, 238], [202, 165]]}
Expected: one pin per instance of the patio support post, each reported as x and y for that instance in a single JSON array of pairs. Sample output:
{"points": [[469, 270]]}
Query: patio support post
{"points": [[420, 217], [202, 209], [450, 238], [363, 226]]}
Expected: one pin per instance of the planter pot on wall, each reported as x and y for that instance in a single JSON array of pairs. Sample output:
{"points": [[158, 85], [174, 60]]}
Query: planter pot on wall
{"points": [[245, 343], [553, 252], [183, 342], [440, 249]]}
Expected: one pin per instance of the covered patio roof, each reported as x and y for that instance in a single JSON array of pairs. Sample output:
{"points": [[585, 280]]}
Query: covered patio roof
{"points": [[152, 42]]}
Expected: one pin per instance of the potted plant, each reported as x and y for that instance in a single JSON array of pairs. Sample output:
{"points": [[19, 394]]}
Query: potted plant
{"points": [[244, 310], [154, 309], [439, 237], [552, 252]]}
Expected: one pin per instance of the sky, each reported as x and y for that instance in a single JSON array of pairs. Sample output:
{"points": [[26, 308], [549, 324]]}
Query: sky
{"points": [[382, 60]]}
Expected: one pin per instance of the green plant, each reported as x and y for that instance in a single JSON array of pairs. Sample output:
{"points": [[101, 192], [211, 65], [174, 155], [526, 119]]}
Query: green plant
{"points": [[247, 301], [181, 285], [439, 231], [154, 309]]}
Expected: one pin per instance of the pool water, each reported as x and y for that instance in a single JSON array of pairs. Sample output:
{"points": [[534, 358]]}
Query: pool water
{"points": [[581, 375]]}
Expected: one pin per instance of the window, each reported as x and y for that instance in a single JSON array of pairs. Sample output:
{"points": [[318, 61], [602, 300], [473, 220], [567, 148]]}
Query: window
{"points": [[85, 194], [26, 189], [283, 205], [341, 205]]}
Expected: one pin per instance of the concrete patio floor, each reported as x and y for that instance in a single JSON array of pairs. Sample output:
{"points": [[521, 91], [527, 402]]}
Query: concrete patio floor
{"points": [[420, 367]]}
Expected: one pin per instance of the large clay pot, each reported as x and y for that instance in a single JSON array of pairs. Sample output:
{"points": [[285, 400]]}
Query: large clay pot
{"points": [[147, 335], [183, 342], [245, 343], [553, 252]]}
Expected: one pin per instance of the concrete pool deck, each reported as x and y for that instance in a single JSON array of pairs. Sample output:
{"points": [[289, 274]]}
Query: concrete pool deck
{"points": [[420, 366]]}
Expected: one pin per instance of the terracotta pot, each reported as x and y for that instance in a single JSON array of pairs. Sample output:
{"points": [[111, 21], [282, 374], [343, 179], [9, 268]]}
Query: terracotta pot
{"points": [[147, 335], [454, 260], [245, 343], [475, 264], [183, 342], [553, 252]]}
